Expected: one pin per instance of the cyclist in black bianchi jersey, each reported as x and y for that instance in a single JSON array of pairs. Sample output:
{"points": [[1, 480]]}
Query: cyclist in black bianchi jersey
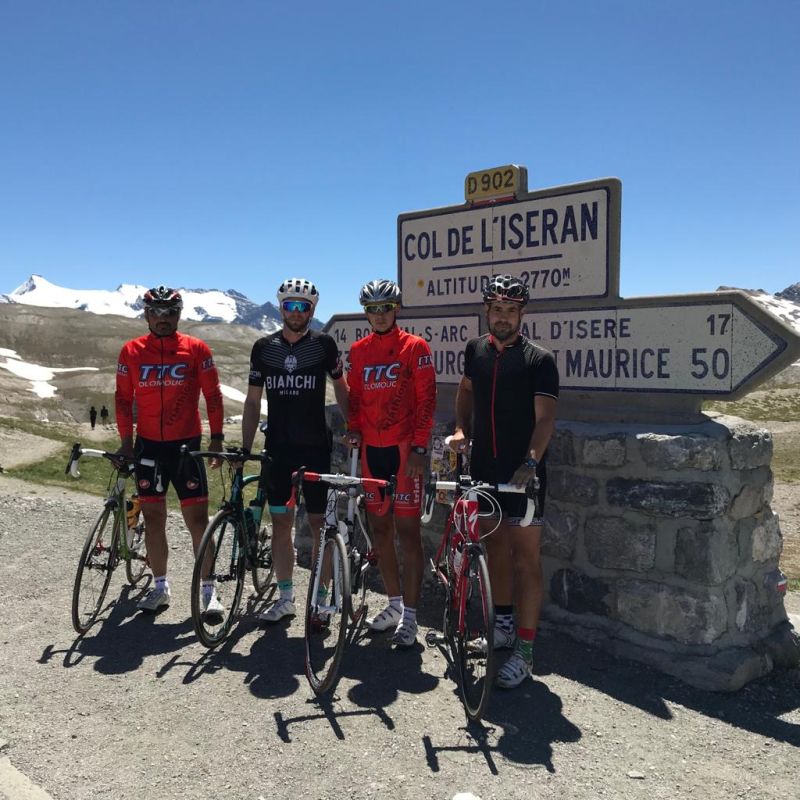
{"points": [[507, 401], [293, 364]]}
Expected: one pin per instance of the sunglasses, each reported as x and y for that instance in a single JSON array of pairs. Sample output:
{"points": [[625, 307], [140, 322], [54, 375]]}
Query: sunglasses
{"points": [[303, 306], [380, 308], [160, 311]]}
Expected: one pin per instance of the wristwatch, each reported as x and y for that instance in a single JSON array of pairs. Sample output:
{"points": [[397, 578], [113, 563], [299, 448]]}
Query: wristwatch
{"points": [[530, 463], [419, 450]]}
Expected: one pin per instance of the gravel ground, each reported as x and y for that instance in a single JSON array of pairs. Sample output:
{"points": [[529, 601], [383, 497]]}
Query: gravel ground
{"points": [[139, 709]]}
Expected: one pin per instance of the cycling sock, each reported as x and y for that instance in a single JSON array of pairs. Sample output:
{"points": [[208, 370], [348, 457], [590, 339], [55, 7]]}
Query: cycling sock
{"points": [[396, 602], [409, 616], [162, 584], [524, 646], [322, 595], [286, 589], [207, 589], [504, 618]]}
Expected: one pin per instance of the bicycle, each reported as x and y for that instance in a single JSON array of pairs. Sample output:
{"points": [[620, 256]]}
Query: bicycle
{"points": [[235, 540], [104, 548], [338, 573], [460, 568]]}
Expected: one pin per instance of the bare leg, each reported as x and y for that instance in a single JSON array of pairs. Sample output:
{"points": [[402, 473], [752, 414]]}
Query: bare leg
{"points": [[408, 531]]}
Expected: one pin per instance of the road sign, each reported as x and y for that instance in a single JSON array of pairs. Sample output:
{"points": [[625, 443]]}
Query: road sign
{"points": [[719, 344], [563, 242], [446, 335]]}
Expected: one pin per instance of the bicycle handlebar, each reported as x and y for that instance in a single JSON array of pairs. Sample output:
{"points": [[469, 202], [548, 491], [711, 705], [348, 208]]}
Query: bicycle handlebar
{"points": [[465, 484], [115, 458], [229, 455], [341, 480]]}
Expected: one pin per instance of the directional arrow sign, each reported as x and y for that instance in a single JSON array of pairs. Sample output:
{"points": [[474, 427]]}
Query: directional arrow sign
{"points": [[718, 344], [446, 335]]}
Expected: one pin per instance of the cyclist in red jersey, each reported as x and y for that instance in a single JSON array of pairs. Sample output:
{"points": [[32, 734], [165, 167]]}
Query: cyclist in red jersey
{"points": [[163, 373], [392, 399]]}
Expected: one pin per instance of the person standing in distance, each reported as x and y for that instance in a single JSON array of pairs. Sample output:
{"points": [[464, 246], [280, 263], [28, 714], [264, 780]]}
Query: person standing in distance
{"points": [[164, 372], [507, 401], [292, 364], [392, 400], [92, 416]]}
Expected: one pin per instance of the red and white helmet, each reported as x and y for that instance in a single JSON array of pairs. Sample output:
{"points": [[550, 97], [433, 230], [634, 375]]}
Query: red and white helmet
{"points": [[298, 289]]}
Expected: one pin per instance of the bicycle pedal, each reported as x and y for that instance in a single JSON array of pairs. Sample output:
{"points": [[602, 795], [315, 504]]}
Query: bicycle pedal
{"points": [[433, 639]]}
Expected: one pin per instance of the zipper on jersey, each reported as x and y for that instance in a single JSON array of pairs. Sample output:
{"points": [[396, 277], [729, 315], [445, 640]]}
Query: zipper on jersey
{"points": [[161, 389], [494, 394]]}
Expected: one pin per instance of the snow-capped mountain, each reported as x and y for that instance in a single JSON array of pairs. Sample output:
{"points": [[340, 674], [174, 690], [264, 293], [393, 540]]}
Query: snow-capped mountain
{"points": [[784, 305], [201, 305]]}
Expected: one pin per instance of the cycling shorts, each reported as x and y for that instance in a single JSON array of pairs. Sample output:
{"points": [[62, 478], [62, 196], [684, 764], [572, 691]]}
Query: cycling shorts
{"points": [[279, 485], [382, 463], [514, 506], [186, 474]]}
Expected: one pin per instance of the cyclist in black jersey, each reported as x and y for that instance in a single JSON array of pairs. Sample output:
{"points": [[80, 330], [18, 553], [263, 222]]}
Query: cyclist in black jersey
{"points": [[292, 366], [507, 402]]}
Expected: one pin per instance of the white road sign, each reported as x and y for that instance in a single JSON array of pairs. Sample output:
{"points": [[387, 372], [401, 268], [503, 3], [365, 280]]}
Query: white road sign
{"points": [[560, 245], [709, 344], [447, 337]]}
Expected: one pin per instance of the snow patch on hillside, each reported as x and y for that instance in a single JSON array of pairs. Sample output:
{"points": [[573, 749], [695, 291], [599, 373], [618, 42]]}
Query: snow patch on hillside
{"points": [[38, 375]]}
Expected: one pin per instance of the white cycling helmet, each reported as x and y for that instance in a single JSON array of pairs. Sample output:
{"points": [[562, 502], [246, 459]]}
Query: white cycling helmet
{"points": [[298, 289]]}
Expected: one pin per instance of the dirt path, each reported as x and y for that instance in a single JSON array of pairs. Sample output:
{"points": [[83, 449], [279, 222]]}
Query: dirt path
{"points": [[139, 709]]}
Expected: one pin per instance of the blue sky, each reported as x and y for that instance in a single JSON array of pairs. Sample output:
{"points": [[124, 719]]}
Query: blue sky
{"points": [[231, 144]]}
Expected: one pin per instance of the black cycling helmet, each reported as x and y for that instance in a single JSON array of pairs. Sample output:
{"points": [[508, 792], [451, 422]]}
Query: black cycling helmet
{"points": [[163, 297], [380, 291], [506, 288]]}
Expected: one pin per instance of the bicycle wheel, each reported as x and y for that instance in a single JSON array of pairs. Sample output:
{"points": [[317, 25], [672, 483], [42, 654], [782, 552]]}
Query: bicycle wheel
{"points": [[474, 640], [136, 561], [222, 548], [360, 563], [263, 567], [326, 617], [97, 562]]}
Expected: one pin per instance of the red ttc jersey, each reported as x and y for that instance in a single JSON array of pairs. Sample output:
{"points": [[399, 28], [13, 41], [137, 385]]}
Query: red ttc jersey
{"points": [[392, 389], [165, 376]]}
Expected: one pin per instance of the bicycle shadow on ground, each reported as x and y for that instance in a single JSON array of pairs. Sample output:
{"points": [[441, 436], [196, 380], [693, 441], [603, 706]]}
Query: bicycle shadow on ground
{"points": [[122, 637], [271, 668], [756, 708], [506, 728]]}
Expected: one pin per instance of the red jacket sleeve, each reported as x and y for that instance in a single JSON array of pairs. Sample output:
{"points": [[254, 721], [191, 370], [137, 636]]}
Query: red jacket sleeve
{"points": [[209, 385], [123, 397], [425, 394]]}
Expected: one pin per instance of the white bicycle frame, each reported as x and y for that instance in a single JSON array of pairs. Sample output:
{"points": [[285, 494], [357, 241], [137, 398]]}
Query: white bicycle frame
{"points": [[336, 484]]}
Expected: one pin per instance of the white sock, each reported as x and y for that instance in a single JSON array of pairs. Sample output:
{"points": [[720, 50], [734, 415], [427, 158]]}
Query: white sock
{"points": [[396, 602], [162, 584]]}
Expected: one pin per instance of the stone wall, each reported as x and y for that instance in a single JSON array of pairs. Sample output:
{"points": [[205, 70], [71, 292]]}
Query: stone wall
{"points": [[660, 545]]}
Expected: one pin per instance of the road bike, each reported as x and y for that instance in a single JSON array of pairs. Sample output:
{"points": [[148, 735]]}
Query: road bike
{"points": [[117, 534], [460, 568], [237, 539], [337, 584]]}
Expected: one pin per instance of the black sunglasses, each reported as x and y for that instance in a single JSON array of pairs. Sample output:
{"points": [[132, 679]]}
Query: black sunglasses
{"points": [[160, 311]]}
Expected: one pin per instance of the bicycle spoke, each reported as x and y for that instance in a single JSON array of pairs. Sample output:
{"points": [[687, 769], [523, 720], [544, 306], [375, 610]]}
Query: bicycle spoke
{"points": [[474, 645], [217, 579], [327, 611], [97, 561]]}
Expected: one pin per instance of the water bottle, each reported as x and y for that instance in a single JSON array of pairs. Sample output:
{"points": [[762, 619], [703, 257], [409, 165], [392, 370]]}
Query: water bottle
{"points": [[132, 508], [251, 526]]}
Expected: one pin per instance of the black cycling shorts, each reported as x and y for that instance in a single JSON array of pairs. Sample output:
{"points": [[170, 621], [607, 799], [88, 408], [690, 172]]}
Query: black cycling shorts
{"points": [[514, 506], [289, 460], [186, 474]]}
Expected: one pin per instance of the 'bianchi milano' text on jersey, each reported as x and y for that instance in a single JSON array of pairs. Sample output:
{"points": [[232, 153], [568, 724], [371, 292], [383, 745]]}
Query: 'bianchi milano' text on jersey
{"points": [[294, 378]]}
